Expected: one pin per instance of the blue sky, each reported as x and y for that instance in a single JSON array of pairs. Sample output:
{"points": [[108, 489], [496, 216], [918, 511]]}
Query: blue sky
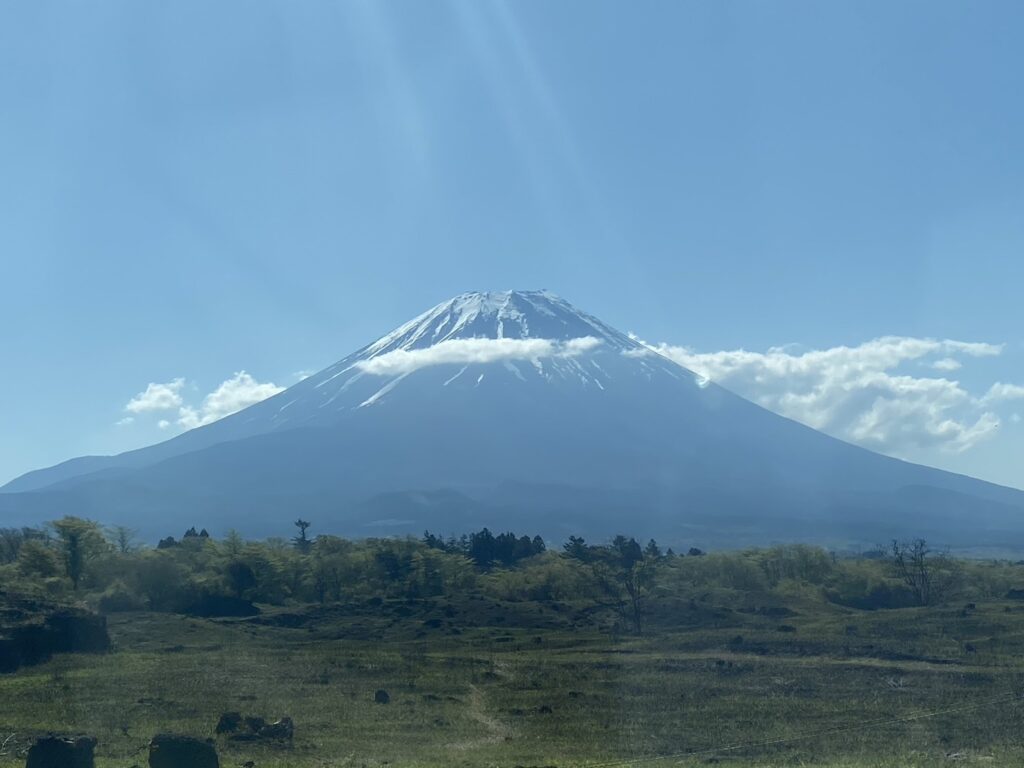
{"points": [[194, 189]]}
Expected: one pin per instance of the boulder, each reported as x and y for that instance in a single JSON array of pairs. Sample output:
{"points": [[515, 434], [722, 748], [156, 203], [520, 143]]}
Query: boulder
{"points": [[168, 750], [75, 631], [62, 752], [10, 654], [381, 696], [30, 633], [280, 730], [229, 722]]}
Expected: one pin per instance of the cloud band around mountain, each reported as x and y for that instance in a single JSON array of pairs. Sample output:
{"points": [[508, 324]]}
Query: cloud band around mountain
{"points": [[891, 393], [470, 351]]}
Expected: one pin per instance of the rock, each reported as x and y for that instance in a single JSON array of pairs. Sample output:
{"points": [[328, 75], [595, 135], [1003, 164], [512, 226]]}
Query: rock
{"points": [[62, 752], [77, 631], [281, 730], [229, 722], [257, 729], [37, 631], [381, 696], [10, 655], [171, 751], [545, 709]]}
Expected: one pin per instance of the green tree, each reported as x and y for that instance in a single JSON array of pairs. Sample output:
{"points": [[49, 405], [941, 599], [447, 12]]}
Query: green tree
{"points": [[162, 582], [233, 544], [37, 560], [623, 571], [80, 541]]}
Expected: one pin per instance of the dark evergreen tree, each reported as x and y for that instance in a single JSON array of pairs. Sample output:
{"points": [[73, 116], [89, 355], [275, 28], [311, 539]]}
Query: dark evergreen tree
{"points": [[300, 542]]}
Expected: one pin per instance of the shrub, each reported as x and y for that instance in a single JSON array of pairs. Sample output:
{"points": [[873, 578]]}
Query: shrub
{"points": [[118, 599]]}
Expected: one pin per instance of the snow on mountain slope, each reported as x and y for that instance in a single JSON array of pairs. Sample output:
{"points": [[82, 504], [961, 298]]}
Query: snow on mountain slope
{"points": [[482, 340]]}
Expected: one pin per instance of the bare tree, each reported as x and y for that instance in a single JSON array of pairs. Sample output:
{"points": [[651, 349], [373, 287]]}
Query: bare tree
{"points": [[123, 538], [11, 540], [927, 574]]}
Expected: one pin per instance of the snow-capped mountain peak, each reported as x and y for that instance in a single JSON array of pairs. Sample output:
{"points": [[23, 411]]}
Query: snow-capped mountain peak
{"points": [[498, 315], [469, 344]]}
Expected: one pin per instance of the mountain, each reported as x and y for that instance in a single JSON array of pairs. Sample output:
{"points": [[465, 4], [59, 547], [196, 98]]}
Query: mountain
{"points": [[517, 410]]}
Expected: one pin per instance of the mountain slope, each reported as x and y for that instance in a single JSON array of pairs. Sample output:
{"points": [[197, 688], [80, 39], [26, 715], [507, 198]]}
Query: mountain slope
{"points": [[517, 409]]}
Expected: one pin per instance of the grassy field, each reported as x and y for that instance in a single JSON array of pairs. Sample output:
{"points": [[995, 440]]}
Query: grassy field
{"points": [[481, 682]]}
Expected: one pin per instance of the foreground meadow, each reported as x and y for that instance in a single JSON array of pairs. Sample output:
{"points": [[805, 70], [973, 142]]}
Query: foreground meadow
{"points": [[477, 681]]}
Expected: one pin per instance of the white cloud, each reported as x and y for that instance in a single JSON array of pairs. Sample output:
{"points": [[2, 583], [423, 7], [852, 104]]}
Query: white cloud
{"points": [[860, 393], [238, 392], [1000, 392], [468, 351], [234, 394], [157, 397]]}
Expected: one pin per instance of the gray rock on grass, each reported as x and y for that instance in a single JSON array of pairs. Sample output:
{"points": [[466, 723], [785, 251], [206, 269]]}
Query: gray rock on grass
{"points": [[168, 750], [62, 752]]}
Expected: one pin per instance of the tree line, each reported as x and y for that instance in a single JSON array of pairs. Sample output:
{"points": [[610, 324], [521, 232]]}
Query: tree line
{"points": [[78, 559]]}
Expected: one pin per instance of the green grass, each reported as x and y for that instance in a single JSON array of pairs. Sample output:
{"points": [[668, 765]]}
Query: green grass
{"points": [[471, 682]]}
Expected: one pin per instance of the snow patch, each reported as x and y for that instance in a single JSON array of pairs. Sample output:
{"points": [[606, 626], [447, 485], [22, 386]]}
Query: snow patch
{"points": [[515, 370], [382, 391], [453, 378]]}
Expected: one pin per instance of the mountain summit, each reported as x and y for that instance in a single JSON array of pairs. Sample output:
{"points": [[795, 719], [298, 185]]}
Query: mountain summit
{"points": [[516, 409], [497, 315]]}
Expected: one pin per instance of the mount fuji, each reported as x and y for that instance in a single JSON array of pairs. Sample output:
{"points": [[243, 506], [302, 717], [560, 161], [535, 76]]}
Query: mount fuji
{"points": [[517, 410]]}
